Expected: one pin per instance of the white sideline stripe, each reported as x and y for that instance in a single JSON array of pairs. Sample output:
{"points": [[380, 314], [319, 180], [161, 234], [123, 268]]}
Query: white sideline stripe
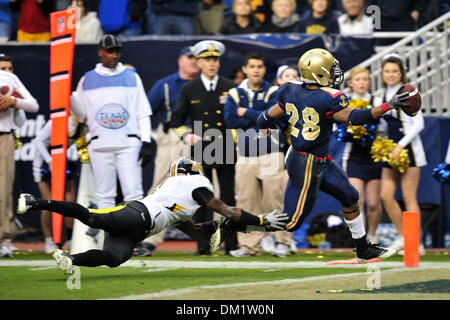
{"points": [[176, 264], [171, 292]]}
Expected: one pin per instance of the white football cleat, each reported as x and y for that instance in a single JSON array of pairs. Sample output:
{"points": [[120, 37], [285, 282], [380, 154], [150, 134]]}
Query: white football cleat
{"points": [[63, 260], [281, 251], [268, 244], [26, 202]]}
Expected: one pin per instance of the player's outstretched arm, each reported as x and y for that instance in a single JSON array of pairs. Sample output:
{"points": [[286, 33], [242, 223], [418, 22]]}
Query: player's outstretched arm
{"points": [[359, 117], [265, 118], [241, 219], [197, 230]]}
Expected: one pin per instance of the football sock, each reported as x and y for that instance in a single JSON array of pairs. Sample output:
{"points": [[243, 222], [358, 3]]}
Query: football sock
{"points": [[66, 208], [93, 258], [358, 232]]}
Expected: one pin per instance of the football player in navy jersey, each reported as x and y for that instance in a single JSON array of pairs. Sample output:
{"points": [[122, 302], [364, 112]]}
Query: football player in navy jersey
{"points": [[311, 106]]}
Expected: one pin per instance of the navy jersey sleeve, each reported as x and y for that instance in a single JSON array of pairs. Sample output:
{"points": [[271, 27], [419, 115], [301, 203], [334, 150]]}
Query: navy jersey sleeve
{"points": [[281, 96], [338, 100]]}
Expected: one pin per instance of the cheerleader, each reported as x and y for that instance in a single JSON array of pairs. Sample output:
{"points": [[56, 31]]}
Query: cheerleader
{"points": [[42, 176], [404, 131], [364, 174]]}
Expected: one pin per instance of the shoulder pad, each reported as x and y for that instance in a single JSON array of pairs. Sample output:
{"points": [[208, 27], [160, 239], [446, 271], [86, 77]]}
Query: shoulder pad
{"points": [[332, 92]]}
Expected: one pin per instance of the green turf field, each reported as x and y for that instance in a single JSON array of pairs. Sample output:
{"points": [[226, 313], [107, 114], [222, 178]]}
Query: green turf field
{"points": [[180, 275]]}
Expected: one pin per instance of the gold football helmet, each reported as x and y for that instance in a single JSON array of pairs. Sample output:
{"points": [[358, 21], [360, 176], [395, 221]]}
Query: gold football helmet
{"points": [[318, 66]]}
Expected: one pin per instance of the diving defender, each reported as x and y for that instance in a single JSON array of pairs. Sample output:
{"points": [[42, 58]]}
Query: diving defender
{"points": [[172, 203]]}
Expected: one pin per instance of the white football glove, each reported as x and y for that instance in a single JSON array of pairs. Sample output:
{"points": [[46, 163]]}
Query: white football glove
{"points": [[275, 222]]}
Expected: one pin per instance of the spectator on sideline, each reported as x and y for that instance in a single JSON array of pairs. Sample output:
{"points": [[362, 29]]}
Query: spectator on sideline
{"points": [[321, 20], [259, 170], [237, 75], [113, 19], [364, 174], [174, 16], [403, 16], [88, 27], [112, 100], [5, 20], [354, 21], [12, 115], [285, 74], [202, 100], [210, 17], [162, 97], [262, 9], [242, 20], [405, 131], [34, 19], [284, 17], [6, 63]]}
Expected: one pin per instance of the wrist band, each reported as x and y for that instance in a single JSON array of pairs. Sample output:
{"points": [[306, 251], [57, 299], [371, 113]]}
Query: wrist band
{"points": [[385, 107]]}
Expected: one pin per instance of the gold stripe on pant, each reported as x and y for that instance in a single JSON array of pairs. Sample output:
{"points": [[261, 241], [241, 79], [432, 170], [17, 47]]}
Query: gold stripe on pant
{"points": [[259, 190]]}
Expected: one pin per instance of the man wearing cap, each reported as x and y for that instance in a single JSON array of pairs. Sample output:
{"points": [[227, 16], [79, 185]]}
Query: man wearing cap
{"points": [[202, 100], [162, 97], [112, 100]]}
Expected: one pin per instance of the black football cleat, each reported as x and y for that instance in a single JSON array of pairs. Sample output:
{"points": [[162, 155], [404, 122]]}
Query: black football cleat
{"points": [[373, 251], [26, 202]]}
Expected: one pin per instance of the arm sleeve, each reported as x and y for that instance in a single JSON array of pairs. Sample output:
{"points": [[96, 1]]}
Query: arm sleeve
{"points": [[144, 108], [28, 103], [144, 111], [77, 104], [42, 141], [202, 195], [145, 126], [232, 120], [270, 100], [415, 126], [77, 107], [181, 112], [338, 103], [19, 117], [155, 96]]}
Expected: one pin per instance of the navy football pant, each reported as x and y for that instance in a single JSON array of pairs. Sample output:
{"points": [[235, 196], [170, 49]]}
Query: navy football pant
{"points": [[307, 176]]}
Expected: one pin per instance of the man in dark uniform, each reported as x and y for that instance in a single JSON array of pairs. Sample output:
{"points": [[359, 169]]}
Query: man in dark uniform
{"points": [[203, 100]]}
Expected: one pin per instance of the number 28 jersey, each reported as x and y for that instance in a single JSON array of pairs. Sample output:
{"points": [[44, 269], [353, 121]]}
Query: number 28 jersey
{"points": [[310, 114]]}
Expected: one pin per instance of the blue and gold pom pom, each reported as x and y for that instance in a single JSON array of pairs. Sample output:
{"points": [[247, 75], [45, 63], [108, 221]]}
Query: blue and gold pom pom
{"points": [[364, 135], [442, 173]]}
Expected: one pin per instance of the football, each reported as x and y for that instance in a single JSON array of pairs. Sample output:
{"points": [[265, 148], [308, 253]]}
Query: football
{"points": [[414, 102], [10, 91]]}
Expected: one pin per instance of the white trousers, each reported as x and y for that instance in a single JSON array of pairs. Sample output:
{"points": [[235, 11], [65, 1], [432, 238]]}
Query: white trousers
{"points": [[107, 166]]}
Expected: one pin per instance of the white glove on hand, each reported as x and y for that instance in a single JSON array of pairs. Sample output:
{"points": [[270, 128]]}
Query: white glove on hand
{"points": [[274, 221]]}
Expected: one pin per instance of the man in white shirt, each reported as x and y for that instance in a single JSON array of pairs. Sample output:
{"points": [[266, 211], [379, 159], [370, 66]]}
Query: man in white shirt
{"points": [[112, 100], [354, 21], [11, 116]]}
